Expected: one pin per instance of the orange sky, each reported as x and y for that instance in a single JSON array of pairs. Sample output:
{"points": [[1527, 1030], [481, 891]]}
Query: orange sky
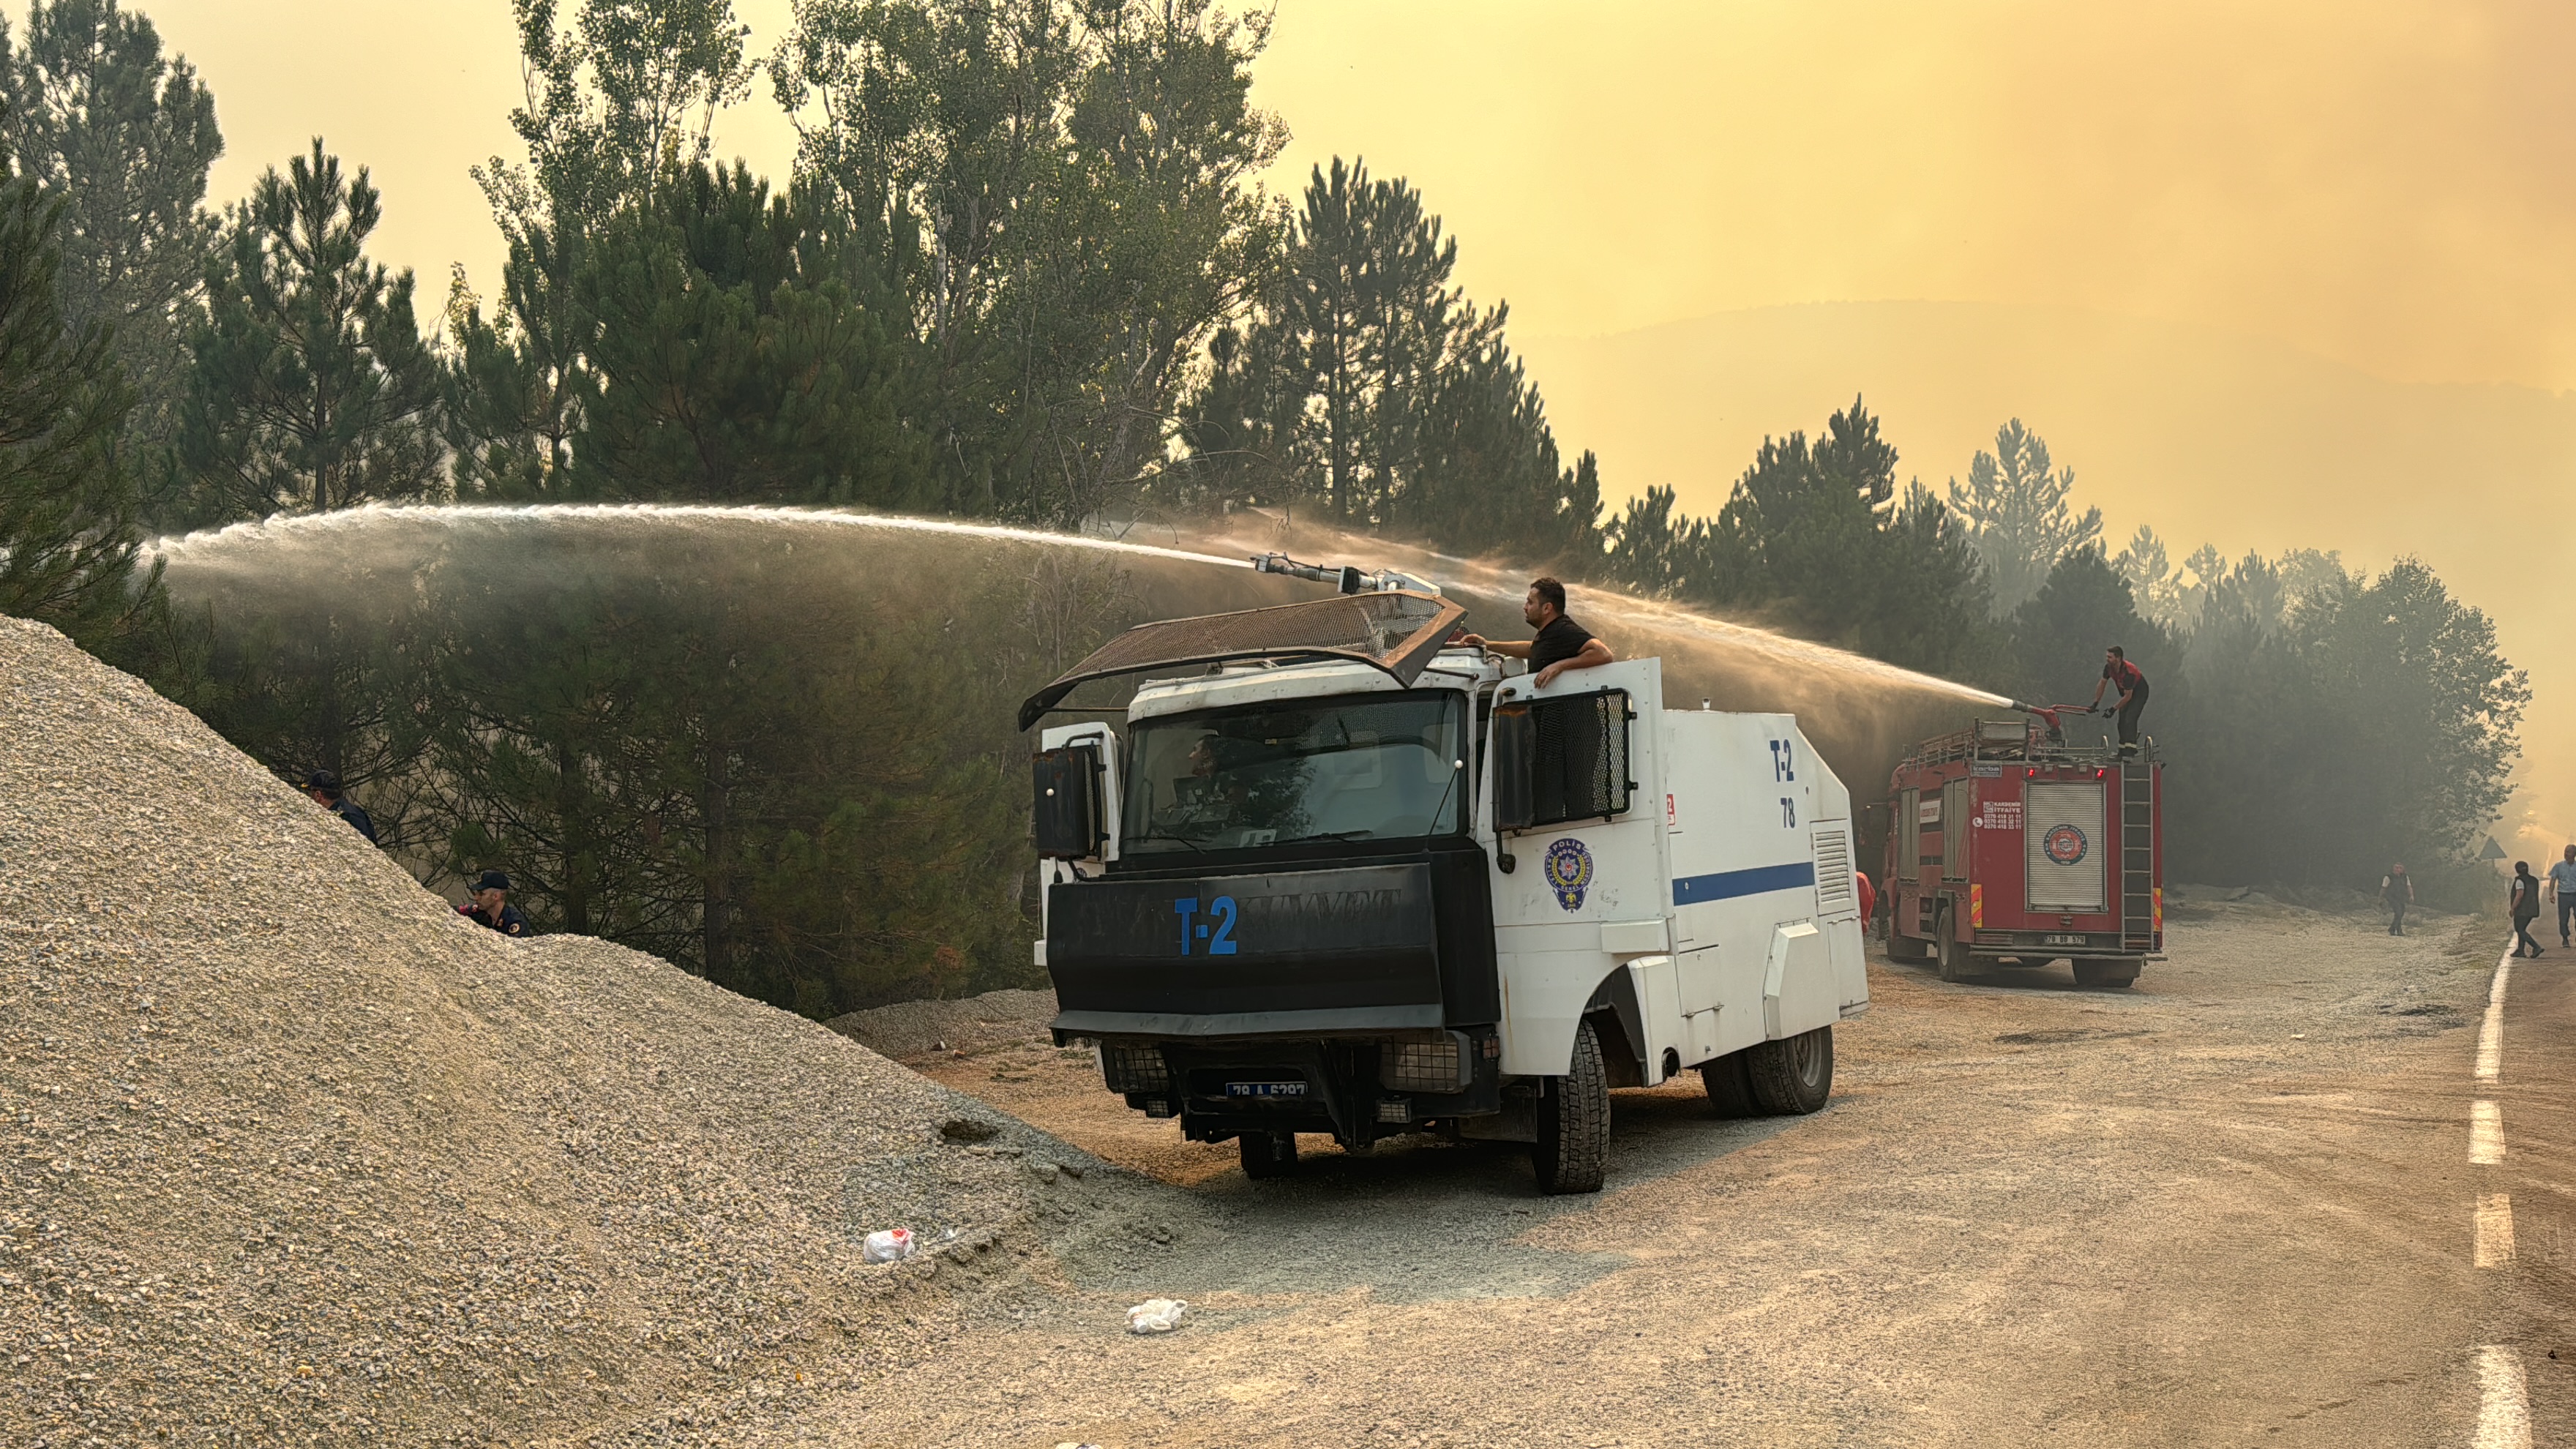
{"points": [[2188, 229]]}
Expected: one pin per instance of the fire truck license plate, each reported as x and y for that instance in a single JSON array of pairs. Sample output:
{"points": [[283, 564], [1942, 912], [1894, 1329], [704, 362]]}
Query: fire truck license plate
{"points": [[2061, 940], [1265, 1089]]}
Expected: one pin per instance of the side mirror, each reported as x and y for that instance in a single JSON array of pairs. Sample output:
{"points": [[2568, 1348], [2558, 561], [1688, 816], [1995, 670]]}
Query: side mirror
{"points": [[1065, 788], [1515, 765]]}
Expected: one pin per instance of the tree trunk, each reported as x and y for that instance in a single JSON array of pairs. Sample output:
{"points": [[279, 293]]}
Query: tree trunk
{"points": [[716, 902]]}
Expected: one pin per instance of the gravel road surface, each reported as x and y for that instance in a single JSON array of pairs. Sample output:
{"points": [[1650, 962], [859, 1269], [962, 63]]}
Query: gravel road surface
{"points": [[2230, 1206]]}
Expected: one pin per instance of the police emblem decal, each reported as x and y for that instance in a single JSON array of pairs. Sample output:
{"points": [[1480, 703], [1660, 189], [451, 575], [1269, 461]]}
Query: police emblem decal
{"points": [[2065, 844], [1569, 871]]}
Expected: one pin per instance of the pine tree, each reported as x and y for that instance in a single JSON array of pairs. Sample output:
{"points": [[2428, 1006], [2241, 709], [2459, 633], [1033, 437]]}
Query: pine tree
{"points": [[2017, 514], [737, 357], [311, 389], [67, 524], [2083, 608], [122, 136], [1065, 196]]}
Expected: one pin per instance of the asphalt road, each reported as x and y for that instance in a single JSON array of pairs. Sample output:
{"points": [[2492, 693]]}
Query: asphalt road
{"points": [[2233, 1205]]}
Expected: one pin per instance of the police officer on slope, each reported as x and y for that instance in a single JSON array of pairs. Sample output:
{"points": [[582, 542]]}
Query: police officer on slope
{"points": [[491, 908], [324, 787]]}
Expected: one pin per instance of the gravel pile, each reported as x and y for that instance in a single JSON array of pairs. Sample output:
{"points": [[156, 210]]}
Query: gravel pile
{"points": [[917, 1028], [289, 1152]]}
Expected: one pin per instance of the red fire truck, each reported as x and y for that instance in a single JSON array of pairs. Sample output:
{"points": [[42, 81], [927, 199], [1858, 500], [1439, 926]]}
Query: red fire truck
{"points": [[2009, 845]]}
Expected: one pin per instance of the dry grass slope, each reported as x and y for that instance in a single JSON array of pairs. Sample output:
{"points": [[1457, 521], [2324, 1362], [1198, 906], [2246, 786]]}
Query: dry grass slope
{"points": [[291, 1153]]}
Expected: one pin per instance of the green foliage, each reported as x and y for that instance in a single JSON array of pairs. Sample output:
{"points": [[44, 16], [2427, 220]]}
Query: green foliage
{"points": [[122, 137], [2375, 721], [312, 388], [702, 742], [1814, 537], [67, 514], [627, 91], [2061, 632], [1365, 386], [1063, 193], [2016, 514], [736, 358]]}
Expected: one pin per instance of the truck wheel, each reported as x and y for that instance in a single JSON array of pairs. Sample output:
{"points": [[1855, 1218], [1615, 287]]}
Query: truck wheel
{"points": [[1730, 1090], [2106, 973], [1793, 1075], [1954, 957], [1573, 1150], [1268, 1154]]}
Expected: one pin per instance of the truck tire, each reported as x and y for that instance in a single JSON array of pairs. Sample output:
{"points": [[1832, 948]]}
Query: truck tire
{"points": [[1793, 1075], [1268, 1154], [1730, 1089], [1573, 1149], [2106, 973], [1953, 955]]}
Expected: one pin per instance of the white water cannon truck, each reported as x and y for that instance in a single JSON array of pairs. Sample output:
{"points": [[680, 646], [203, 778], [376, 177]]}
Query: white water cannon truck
{"points": [[1331, 870]]}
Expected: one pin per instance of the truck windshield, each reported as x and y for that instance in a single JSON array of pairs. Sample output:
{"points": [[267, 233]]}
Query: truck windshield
{"points": [[1358, 767]]}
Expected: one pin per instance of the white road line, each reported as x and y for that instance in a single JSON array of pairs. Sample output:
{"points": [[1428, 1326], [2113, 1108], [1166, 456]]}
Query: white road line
{"points": [[2504, 1410], [2486, 1134], [2495, 1230], [2491, 1031]]}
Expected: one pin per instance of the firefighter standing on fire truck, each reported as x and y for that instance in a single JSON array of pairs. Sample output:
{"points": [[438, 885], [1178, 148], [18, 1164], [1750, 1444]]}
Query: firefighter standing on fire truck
{"points": [[2116, 669]]}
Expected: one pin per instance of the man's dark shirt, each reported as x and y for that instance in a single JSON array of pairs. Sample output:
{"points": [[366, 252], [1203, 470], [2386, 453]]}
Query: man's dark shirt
{"points": [[1561, 640], [510, 924], [2123, 675], [347, 809]]}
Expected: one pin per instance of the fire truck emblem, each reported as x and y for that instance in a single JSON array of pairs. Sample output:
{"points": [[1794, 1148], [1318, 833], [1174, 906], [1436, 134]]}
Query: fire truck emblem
{"points": [[1569, 870], [2065, 844]]}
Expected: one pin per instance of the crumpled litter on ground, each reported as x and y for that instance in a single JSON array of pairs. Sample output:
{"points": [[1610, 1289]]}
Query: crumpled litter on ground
{"points": [[1156, 1315]]}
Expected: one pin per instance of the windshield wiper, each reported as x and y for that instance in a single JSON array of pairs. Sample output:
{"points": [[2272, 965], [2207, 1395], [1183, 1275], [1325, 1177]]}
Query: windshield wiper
{"points": [[1327, 835], [1162, 835]]}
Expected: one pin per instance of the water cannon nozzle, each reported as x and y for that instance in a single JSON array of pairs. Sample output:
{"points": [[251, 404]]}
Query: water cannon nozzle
{"points": [[1345, 577]]}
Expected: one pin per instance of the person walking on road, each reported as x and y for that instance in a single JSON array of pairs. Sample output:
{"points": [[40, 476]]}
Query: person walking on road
{"points": [[2132, 682], [324, 787], [2397, 892], [2562, 889], [2524, 898]]}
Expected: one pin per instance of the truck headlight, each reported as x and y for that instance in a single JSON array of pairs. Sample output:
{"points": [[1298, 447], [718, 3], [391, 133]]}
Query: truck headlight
{"points": [[1440, 1065], [1134, 1068]]}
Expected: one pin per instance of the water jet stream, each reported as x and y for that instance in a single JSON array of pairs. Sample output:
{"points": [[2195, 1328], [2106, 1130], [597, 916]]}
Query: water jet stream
{"points": [[286, 525], [237, 544]]}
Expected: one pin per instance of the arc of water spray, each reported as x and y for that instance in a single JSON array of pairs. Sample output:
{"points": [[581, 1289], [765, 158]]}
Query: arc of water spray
{"points": [[1778, 647], [286, 525]]}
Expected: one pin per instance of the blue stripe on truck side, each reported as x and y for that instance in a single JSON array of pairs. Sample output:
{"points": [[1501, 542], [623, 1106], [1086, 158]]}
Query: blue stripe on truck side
{"points": [[1727, 884]]}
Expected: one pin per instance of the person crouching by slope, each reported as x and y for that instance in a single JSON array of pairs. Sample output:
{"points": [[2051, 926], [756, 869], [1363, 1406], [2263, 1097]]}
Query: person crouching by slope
{"points": [[324, 787], [491, 908], [2525, 900]]}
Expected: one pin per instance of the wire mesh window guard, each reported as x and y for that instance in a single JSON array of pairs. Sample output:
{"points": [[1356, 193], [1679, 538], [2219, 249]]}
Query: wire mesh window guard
{"points": [[1569, 754]]}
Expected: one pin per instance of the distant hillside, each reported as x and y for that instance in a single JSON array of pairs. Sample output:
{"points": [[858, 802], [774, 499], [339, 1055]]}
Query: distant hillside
{"points": [[2208, 435]]}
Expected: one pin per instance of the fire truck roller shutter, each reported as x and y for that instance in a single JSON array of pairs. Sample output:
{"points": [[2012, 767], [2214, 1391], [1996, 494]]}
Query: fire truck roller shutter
{"points": [[2064, 853]]}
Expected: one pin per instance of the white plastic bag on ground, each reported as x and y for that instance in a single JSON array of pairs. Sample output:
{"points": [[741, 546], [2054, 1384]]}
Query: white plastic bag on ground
{"points": [[890, 1246], [1156, 1315]]}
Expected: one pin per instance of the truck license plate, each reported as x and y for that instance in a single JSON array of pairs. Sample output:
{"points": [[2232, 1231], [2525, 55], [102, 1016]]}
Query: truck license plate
{"points": [[1265, 1089], [2061, 940]]}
